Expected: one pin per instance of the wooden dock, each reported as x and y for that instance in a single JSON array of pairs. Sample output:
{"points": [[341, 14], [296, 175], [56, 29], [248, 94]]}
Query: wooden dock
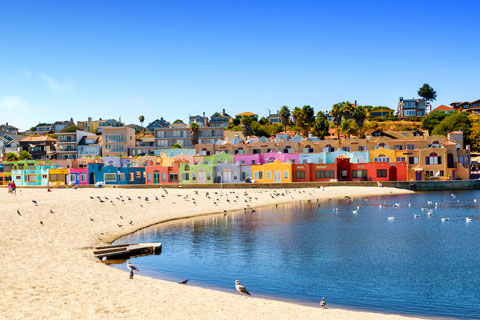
{"points": [[125, 251]]}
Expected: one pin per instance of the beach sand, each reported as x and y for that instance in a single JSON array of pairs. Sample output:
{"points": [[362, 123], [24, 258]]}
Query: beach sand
{"points": [[50, 272]]}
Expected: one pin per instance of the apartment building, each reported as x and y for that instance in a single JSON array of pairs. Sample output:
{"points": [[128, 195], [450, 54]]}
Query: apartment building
{"points": [[167, 137], [411, 108], [67, 145], [116, 141]]}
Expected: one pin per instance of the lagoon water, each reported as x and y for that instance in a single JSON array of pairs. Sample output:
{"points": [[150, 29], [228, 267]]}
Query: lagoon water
{"points": [[302, 252]]}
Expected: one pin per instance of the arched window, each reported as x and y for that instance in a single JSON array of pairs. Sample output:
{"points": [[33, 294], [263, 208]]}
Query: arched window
{"points": [[328, 148], [433, 159], [287, 149]]}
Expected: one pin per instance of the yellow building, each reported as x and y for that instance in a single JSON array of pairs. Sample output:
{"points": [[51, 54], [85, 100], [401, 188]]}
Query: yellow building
{"points": [[379, 113], [57, 176], [383, 155], [273, 172], [89, 125]]}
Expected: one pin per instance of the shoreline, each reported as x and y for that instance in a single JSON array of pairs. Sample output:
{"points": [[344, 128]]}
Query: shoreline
{"points": [[52, 272]]}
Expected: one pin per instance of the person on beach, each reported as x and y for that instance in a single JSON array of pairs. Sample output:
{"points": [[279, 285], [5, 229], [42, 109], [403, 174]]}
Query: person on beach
{"points": [[13, 188], [9, 187]]}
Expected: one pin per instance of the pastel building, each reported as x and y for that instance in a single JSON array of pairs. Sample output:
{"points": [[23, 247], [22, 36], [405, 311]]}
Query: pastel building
{"points": [[247, 159], [314, 172], [231, 173], [273, 172], [200, 173], [38, 176], [160, 174], [282, 157], [58, 177], [78, 176]]}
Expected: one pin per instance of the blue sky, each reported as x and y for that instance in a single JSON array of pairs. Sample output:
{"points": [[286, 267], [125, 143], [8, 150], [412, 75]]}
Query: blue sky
{"points": [[111, 59]]}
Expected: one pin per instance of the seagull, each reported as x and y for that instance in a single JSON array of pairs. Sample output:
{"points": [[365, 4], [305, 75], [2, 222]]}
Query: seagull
{"points": [[132, 268], [184, 281], [355, 211], [91, 219], [396, 205], [18, 212], [35, 202], [391, 218], [474, 200], [241, 288], [416, 216], [445, 219], [41, 222], [51, 211], [323, 303], [467, 219], [409, 205]]}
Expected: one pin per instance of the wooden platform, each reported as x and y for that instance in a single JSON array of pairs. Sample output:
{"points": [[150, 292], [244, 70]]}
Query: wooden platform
{"points": [[125, 251]]}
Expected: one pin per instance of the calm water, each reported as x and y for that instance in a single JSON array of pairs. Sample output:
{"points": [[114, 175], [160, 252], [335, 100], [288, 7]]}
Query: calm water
{"points": [[420, 266]]}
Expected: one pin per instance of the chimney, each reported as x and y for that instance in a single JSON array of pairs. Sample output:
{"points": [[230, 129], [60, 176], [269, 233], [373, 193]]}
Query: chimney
{"points": [[223, 111]]}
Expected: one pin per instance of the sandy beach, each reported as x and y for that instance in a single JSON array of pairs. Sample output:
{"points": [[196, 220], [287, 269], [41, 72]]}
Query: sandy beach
{"points": [[50, 272]]}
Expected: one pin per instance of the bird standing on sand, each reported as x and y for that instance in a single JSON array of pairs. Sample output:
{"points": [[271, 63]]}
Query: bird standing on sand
{"points": [[323, 303], [183, 282], [35, 202], [241, 288], [132, 268]]}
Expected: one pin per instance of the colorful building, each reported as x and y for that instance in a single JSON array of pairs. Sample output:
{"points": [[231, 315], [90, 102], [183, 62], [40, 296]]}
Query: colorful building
{"points": [[273, 172]]}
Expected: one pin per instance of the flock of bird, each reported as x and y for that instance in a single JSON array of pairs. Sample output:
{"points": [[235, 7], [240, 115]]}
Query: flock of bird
{"points": [[428, 209]]}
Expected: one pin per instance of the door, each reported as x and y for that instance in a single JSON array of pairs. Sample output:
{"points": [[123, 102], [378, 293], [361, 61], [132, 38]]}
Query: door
{"points": [[156, 178], [277, 176], [418, 175], [227, 177], [92, 178], [73, 179], [201, 177], [392, 173], [453, 174]]}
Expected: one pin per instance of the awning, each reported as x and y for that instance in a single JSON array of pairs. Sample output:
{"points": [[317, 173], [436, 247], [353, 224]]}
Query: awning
{"points": [[418, 169]]}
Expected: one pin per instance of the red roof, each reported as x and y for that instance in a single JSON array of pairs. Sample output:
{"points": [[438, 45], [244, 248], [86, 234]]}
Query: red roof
{"points": [[443, 108]]}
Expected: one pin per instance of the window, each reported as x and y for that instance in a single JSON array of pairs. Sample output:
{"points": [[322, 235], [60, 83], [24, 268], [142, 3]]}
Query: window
{"points": [[398, 147], [149, 177], [110, 177], [362, 148], [382, 158], [324, 174], [194, 176], [381, 173], [412, 160], [359, 173], [328, 148], [256, 151], [269, 175], [185, 176], [209, 176], [400, 159], [433, 159], [138, 174], [244, 175], [258, 175], [300, 175], [347, 149], [164, 177], [410, 147], [285, 174]]}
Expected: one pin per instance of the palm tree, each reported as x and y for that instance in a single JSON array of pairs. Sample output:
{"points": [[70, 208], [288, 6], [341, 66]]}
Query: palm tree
{"points": [[141, 118], [194, 132], [347, 110], [359, 115], [11, 156], [296, 113], [284, 115], [337, 117]]}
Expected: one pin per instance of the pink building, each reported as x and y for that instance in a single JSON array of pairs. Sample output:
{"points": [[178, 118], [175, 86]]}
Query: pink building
{"points": [[282, 157], [78, 176], [247, 159]]}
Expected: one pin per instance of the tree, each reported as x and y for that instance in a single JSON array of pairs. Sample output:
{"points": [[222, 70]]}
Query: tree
{"points": [[321, 125], [141, 118], [70, 129], [427, 92], [284, 115], [359, 115], [296, 113], [304, 119], [347, 110], [247, 125], [194, 127], [25, 155], [263, 121], [176, 146], [454, 122], [432, 120], [11, 156], [235, 122], [337, 117], [349, 127], [475, 133]]}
